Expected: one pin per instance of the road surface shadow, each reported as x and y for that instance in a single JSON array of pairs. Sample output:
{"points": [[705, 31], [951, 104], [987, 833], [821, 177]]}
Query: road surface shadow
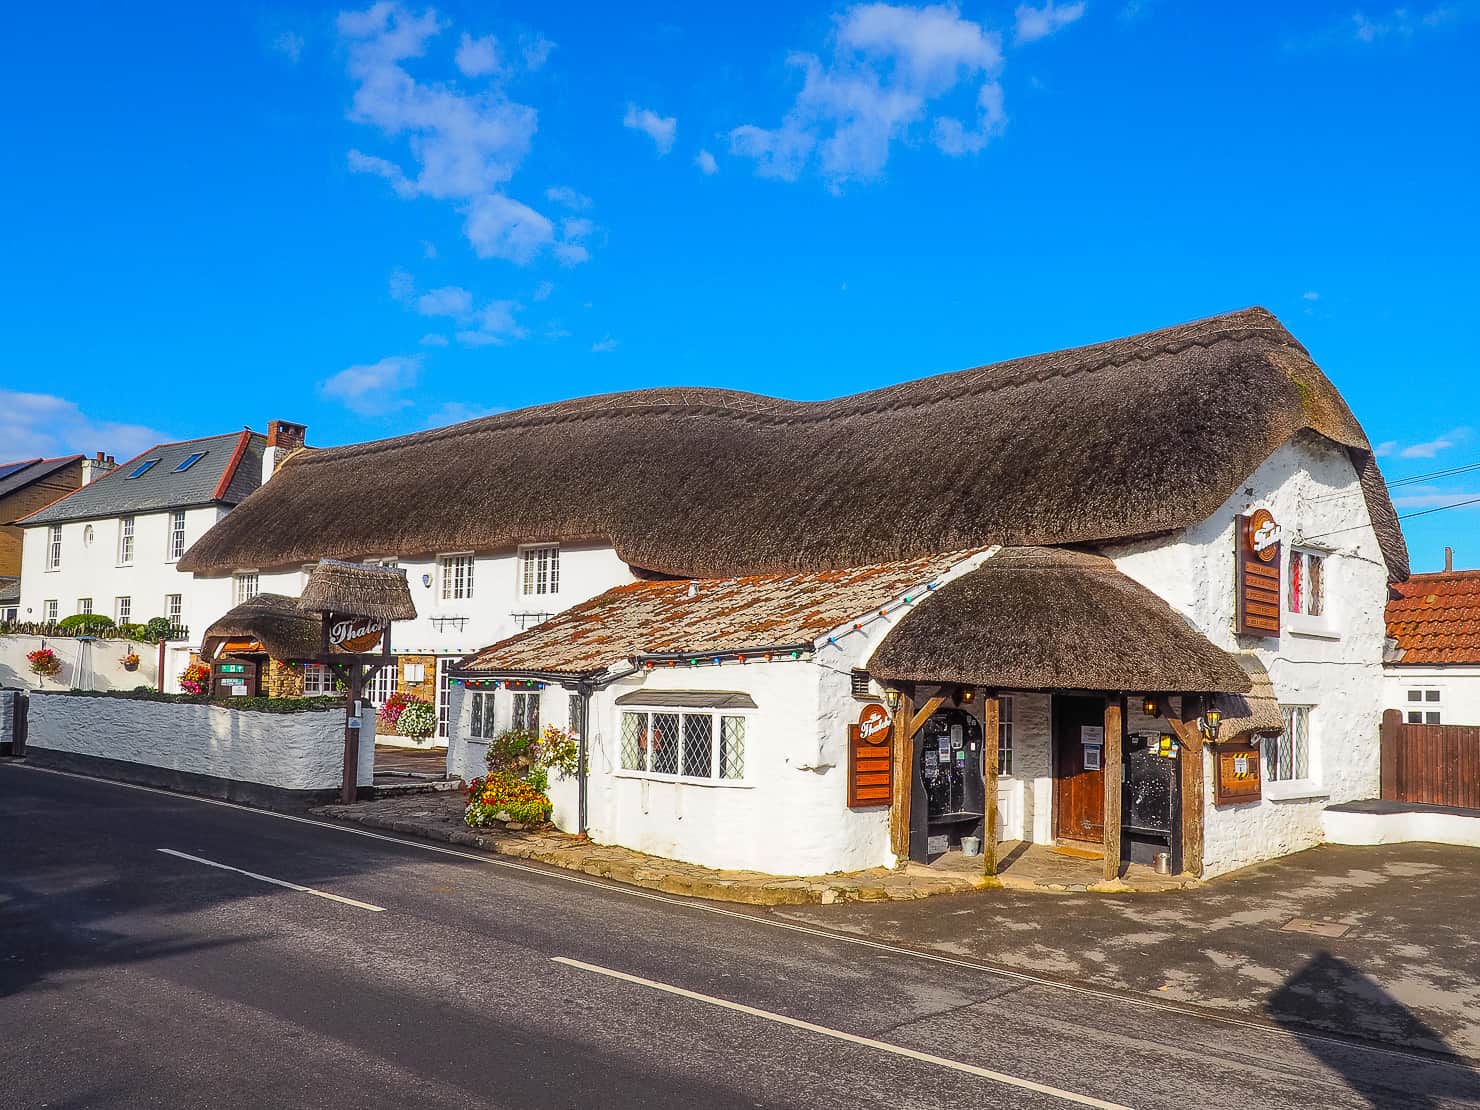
{"points": [[1328, 992]]}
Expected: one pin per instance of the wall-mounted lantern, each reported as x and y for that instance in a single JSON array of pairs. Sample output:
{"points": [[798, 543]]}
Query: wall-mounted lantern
{"points": [[1209, 723], [1151, 707]]}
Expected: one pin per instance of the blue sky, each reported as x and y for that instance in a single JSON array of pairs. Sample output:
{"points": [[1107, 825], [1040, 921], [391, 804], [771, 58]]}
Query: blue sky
{"points": [[377, 219]]}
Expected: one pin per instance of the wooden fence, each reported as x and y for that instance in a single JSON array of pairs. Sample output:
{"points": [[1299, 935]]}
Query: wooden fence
{"points": [[1432, 764]]}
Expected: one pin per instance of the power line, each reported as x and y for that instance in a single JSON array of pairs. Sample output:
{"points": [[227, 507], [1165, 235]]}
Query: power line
{"points": [[1467, 468], [1402, 516]]}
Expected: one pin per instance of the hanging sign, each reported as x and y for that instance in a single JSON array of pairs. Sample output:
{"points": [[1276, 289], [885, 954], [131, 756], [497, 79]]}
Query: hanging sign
{"points": [[870, 759], [1258, 538], [354, 635]]}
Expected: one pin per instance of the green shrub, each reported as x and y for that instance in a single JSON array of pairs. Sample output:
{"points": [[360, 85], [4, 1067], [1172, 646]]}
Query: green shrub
{"points": [[86, 623], [256, 705]]}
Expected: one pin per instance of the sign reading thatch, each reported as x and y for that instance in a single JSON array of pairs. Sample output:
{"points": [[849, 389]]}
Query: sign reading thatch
{"points": [[1258, 574]]}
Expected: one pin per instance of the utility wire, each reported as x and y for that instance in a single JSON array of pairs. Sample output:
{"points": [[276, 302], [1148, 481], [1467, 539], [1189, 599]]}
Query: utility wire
{"points": [[1402, 516], [1467, 468]]}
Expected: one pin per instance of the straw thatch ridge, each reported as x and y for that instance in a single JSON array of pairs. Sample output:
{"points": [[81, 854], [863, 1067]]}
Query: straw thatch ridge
{"points": [[285, 631], [1129, 438], [1043, 619], [1255, 713], [357, 590]]}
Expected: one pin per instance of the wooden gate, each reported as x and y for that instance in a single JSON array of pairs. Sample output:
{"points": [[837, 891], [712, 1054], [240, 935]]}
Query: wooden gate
{"points": [[1432, 764]]}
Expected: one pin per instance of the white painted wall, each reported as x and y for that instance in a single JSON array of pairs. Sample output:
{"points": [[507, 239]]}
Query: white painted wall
{"points": [[97, 665], [1311, 487], [1458, 687], [291, 751]]}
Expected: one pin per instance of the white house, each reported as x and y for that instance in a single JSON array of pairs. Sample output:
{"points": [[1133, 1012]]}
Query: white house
{"points": [[1433, 671], [1093, 553], [114, 545]]}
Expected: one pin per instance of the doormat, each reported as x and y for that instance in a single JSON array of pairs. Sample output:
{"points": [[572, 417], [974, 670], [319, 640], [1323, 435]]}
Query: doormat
{"points": [[1077, 853]]}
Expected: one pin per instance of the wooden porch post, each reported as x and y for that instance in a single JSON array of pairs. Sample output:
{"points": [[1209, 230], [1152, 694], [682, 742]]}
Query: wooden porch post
{"points": [[904, 780], [1112, 772], [991, 716], [349, 791], [1194, 792]]}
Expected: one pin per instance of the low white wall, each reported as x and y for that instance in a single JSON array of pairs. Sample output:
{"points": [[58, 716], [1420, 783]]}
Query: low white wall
{"points": [[1346, 827], [86, 665], [288, 751]]}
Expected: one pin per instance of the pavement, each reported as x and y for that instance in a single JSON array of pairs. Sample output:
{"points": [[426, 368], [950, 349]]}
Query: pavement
{"points": [[158, 950]]}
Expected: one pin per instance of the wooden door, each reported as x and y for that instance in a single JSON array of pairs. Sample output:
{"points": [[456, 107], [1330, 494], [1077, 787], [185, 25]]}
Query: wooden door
{"points": [[1079, 790]]}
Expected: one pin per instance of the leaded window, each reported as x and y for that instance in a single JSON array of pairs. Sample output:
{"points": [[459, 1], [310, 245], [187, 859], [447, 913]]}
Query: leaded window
{"points": [[696, 744]]}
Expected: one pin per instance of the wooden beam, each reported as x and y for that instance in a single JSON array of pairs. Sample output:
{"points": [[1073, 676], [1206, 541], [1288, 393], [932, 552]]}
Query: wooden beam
{"points": [[917, 722], [349, 789], [904, 778], [1112, 773], [1194, 791], [991, 717]]}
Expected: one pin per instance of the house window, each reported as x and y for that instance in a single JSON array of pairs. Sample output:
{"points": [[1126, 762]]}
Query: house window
{"points": [[246, 585], [317, 680], [54, 547], [861, 687], [526, 712], [444, 691], [84, 605], [483, 727], [575, 715], [177, 536], [457, 577], [49, 612], [190, 460], [122, 610], [697, 744], [125, 540], [381, 685], [1004, 736], [1425, 707], [1307, 593], [540, 570], [1287, 756], [173, 609]]}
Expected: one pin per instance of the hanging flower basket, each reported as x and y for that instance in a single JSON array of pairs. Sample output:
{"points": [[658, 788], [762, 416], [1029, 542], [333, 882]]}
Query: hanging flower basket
{"points": [[44, 663], [131, 661]]}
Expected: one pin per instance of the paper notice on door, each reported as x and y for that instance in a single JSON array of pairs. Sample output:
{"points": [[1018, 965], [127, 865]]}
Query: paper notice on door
{"points": [[1092, 757], [1091, 734]]}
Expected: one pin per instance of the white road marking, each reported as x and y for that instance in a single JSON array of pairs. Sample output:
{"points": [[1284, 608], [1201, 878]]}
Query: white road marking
{"points": [[1000, 970], [851, 1038], [275, 882]]}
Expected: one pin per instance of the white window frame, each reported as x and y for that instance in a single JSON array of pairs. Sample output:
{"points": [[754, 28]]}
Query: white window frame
{"points": [[715, 733], [54, 547], [49, 611], [454, 586], [1301, 621], [1297, 786], [1430, 705], [381, 685], [174, 609], [444, 694], [1005, 710], [175, 539], [123, 609], [242, 582], [84, 606], [318, 680], [539, 570], [482, 715], [126, 541]]}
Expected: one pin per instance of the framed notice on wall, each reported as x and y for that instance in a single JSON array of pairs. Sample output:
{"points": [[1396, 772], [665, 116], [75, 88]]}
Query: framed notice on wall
{"points": [[1258, 583], [1236, 774], [870, 759]]}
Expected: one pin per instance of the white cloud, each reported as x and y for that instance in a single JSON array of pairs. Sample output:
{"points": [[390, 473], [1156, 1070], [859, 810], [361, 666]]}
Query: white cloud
{"points": [[493, 322], [464, 146], [477, 57], [1387, 447], [535, 50], [433, 339], [604, 346], [450, 300], [567, 197], [543, 290], [887, 69], [1434, 446], [661, 129], [1038, 23], [428, 248], [1431, 497], [289, 44], [1397, 24], [706, 163], [41, 424], [457, 412], [373, 389], [1310, 295]]}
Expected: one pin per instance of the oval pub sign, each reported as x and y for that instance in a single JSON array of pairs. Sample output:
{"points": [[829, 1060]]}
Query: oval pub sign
{"points": [[354, 634]]}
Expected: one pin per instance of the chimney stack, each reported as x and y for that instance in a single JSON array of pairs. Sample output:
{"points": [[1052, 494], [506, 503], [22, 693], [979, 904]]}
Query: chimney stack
{"points": [[283, 438], [95, 467], [1449, 560]]}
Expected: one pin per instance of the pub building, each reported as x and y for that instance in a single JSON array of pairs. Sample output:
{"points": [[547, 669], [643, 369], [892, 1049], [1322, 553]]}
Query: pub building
{"points": [[1124, 599]]}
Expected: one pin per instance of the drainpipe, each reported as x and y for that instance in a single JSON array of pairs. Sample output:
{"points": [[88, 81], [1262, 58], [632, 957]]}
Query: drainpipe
{"points": [[583, 689]]}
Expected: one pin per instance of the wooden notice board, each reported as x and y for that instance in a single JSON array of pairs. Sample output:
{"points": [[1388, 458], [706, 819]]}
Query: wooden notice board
{"points": [[870, 760], [1236, 775], [1258, 574]]}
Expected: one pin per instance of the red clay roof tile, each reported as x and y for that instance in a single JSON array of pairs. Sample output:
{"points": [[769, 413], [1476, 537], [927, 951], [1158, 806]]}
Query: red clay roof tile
{"points": [[1435, 618]]}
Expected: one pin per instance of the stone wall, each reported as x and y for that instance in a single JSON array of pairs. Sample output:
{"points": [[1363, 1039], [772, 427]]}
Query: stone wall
{"points": [[294, 753], [282, 680]]}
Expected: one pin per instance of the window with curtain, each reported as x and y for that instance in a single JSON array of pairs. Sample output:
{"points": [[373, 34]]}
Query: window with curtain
{"points": [[697, 744]]}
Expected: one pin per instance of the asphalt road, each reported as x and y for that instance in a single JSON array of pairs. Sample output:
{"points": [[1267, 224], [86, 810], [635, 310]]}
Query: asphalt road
{"points": [[136, 970]]}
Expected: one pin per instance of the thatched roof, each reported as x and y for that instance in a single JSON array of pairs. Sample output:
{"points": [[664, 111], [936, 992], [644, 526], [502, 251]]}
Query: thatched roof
{"points": [[1256, 712], [357, 590], [1044, 619], [285, 631], [720, 616], [1129, 438]]}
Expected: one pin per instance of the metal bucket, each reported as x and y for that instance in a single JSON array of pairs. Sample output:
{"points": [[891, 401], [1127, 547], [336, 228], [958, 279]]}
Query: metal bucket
{"points": [[1163, 863], [971, 845]]}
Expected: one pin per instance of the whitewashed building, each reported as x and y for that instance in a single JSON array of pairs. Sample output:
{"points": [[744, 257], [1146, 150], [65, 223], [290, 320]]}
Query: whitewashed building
{"points": [[1164, 557], [1433, 671]]}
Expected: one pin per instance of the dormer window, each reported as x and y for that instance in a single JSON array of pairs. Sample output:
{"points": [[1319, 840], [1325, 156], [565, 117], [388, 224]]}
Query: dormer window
{"points": [[190, 461], [143, 468]]}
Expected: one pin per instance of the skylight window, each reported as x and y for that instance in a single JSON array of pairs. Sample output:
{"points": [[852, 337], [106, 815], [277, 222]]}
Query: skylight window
{"points": [[190, 461], [143, 468]]}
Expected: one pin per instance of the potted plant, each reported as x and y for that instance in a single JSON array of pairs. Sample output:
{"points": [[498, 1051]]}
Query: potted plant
{"points": [[196, 679], [418, 721], [130, 661], [44, 663]]}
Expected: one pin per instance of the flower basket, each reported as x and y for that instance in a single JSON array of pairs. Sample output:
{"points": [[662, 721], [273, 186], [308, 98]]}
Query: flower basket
{"points": [[130, 661], [417, 721], [196, 679], [44, 663]]}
